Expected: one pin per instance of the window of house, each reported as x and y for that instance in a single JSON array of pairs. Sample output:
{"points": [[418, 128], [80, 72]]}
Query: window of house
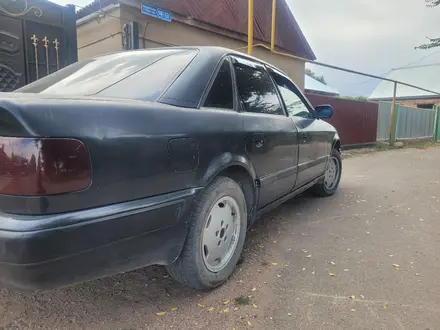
{"points": [[294, 104], [425, 106], [255, 88], [221, 93]]}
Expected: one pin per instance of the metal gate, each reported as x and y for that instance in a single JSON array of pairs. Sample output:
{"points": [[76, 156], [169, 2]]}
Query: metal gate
{"points": [[36, 38]]}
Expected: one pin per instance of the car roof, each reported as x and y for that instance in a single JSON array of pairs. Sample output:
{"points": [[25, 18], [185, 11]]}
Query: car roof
{"points": [[189, 87], [214, 51]]}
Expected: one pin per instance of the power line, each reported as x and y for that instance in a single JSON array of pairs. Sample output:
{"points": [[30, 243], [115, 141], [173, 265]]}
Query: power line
{"points": [[398, 68]]}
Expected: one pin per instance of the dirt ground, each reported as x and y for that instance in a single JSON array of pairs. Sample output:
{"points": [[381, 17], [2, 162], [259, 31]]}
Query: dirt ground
{"points": [[365, 258]]}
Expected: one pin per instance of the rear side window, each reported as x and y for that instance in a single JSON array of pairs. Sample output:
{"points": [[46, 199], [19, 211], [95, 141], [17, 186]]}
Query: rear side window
{"points": [[221, 93], [149, 83], [255, 88], [139, 75]]}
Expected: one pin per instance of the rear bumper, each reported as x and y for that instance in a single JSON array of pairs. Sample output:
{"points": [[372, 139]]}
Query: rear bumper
{"points": [[38, 252]]}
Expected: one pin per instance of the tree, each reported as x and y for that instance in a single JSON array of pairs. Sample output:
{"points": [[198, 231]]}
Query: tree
{"points": [[310, 73], [433, 42]]}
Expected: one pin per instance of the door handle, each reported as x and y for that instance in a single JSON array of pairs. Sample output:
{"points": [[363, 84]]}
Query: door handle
{"points": [[258, 139], [303, 136]]}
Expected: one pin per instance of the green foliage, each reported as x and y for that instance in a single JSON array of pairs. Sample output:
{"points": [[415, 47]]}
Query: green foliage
{"points": [[355, 98], [432, 3], [321, 79], [242, 300], [433, 42]]}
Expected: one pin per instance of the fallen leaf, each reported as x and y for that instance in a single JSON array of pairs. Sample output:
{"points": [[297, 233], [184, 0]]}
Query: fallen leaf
{"points": [[165, 276], [254, 306], [385, 306], [200, 305], [236, 309], [290, 314], [211, 309], [274, 263], [160, 313], [417, 274], [353, 297], [331, 274], [249, 323], [332, 263], [254, 289], [226, 310], [348, 249], [346, 270], [173, 308], [353, 310], [260, 246], [362, 297], [226, 302], [309, 256], [396, 265], [278, 275]]}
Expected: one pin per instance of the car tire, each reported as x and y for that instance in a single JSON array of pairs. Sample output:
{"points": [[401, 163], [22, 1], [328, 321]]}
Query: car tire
{"points": [[209, 225], [334, 171]]}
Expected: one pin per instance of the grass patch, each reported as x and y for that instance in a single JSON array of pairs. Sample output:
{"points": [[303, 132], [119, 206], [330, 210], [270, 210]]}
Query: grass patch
{"points": [[242, 300], [382, 146]]}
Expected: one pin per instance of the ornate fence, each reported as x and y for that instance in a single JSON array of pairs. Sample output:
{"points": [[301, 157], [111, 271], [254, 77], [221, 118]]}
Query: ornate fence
{"points": [[37, 38]]}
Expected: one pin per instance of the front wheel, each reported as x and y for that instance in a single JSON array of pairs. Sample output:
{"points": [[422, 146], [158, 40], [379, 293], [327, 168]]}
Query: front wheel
{"points": [[217, 230], [332, 176]]}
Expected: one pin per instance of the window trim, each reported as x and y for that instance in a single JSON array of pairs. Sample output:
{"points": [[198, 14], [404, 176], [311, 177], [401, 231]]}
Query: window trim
{"points": [[263, 66], [208, 87], [296, 91]]}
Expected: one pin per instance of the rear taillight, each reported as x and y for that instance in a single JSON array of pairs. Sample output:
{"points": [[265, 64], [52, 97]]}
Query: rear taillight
{"points": [[43, 166]]}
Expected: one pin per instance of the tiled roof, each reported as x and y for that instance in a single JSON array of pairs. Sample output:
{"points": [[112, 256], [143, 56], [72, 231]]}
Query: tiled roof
{"points": [[232, 15]]}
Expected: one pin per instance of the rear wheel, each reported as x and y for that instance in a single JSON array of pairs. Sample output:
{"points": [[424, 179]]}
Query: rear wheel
{"points": [[216, 236], [332, 176]]}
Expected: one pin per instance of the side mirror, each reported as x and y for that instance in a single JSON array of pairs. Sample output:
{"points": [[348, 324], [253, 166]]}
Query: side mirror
{"points": [[324, 111]]}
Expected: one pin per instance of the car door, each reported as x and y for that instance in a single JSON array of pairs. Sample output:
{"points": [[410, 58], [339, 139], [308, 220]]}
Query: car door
{"points": [[271, 136], [312, 141]]}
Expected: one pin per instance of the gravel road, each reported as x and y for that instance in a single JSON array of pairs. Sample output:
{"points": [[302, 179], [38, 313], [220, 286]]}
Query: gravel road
{"points": [[365, 258]]}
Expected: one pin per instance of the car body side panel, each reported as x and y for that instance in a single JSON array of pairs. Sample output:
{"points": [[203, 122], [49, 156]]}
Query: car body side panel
{"points": [[315, 142], [276, 159], [130, 149]]}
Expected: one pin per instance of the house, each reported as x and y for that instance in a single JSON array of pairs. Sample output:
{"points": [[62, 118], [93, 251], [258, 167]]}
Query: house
{"points": [[426, 76], [106, 26], [314, 86]]}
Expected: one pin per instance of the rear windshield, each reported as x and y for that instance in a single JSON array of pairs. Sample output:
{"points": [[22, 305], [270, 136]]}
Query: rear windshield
{"points": [[141, 75]]}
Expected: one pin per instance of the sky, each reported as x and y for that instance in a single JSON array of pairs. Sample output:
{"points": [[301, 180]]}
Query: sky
{"points": [[372, 36]]}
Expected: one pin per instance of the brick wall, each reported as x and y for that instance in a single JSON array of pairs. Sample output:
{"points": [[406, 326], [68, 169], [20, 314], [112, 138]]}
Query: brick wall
{"points": [[414, 103]]}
